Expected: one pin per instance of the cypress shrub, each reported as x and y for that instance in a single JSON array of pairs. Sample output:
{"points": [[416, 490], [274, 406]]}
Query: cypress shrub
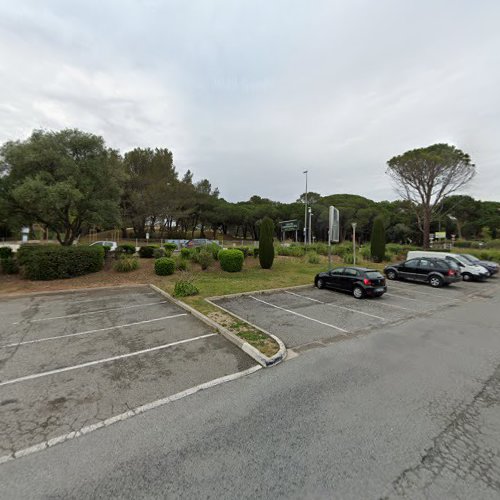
{"points": [[377, 248], [48, 262], [231, 260], [266, 247], [164, 266]]}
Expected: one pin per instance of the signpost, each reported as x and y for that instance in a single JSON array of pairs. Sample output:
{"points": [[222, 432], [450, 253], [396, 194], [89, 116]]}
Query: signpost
{"points": [[333, 231]]}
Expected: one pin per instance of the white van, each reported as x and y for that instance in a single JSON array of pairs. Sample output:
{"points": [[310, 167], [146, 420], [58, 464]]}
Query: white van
{"points": [[468, 270]]}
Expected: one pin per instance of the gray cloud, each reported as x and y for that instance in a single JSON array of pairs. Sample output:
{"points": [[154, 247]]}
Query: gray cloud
{"points": [[250, 93]]}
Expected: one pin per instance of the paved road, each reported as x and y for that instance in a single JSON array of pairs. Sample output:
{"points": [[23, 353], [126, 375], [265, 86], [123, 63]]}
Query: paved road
{"points": [[411, 410]]}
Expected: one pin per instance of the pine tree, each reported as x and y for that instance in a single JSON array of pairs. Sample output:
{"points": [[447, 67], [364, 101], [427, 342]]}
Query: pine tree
{"points": [[378, 240], [266, 246]]}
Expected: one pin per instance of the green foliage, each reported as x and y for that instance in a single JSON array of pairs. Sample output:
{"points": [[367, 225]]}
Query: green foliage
{"points": [[170, 247], [160, 252], [181, 264], [126, 263], [185, 253], [147, 251], [5, 252], [47, 262], [185, 288], [231, 260], [245, 250], [214, 249], [290, 251], [266, 246], [365, 252], [164, 266], [255, 251], [377, 244], [68, 180], [9, 265], [204, 258], [125, 248], [348, 258], [313, 258]]}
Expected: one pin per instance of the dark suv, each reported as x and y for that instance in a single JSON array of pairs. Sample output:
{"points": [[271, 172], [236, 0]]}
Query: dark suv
{"points": [[434, 271], [360, 281]]}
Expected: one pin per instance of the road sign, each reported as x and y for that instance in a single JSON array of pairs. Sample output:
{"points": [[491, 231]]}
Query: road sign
{"points": [[440, 235], [289, 225], [334, 225]]}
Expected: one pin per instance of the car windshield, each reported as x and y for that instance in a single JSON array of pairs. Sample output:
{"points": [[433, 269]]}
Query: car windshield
{"points": [[469, 257], [374, 275]]}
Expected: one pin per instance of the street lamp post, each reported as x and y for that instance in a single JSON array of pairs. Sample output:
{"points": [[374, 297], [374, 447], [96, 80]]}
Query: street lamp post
{"points": [[354, 243], [310, 224], [305, 212]]}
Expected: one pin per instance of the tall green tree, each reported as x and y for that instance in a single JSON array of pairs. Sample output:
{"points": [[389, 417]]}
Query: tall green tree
{"points": [[266, 246], [426, 176], [67, 180], [377, 247]]}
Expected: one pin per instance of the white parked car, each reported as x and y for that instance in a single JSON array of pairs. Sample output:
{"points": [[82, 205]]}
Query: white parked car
{"points": [[469, 271], [111, 244]]}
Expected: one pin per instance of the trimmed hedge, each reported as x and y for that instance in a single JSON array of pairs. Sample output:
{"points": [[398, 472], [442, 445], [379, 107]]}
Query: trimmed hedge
{"points": [[50, 262], [231, 260], [125, 248], [5, 252], [9, 266], [164, 266], [170, 247], [147, 252], [158, 253]]}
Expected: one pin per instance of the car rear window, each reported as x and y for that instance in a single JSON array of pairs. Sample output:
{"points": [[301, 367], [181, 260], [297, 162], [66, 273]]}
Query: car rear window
{"points": [[373, 275]]}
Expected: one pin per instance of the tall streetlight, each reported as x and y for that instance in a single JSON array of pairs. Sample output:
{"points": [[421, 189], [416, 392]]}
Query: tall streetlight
{"points": [[354, 243], [310, 224], [305, 212]]}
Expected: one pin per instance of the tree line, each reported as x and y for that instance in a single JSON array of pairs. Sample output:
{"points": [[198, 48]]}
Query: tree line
{"points": [[70, 182]]}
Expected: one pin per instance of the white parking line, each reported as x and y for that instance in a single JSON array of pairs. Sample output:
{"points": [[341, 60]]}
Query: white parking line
{"points": [[128, 414], [407, 289], [105, 297], [381, 302], [90, 312], [335, 305], [404, 298], [16, 344], [300, 315], [105, 360]]}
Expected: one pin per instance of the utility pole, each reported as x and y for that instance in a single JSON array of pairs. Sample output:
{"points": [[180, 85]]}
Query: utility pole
{"points": [[354, 243], [305, 212], [310, 225]]}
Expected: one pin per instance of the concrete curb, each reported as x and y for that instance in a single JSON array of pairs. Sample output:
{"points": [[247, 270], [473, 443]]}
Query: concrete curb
{"points": [[244, 346]]}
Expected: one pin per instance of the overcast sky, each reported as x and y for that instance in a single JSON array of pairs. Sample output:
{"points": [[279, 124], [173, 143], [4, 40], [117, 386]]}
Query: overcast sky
{"points": [[249, 93]]}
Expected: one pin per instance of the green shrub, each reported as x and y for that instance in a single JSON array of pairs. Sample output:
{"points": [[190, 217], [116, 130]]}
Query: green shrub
{"points": [[185, 288], [47, 262], [204, 258], [377, 242], [5, 252], [313, 258], [9, 266], [158, 253], [365, 252], [181, 264], [290, 251], [185, 253], [342, 249], [214, 249], [125, 248], [348, 258], [266, 246], [170, 247], [164, 266], [256, 251], [245, 250], [231, 260], [126, 263], [147, 252]]}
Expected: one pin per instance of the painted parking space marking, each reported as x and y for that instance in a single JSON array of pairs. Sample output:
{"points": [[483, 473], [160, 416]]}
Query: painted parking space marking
{"points": [[105, 360], [405, 298], [300, 315], [88, 332], [97, 311], [408, 290], [336, 305], [118, 297], [381, 303]]}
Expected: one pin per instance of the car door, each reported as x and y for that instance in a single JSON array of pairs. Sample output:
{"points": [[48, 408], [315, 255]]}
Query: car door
{"points": [[350, 276], [425, 266], [335, 277], [408, 269]]}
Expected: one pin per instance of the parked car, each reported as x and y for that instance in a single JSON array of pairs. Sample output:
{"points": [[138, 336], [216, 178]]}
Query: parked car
{"points": [[200, 242], [468, 271], [111, 244], [492, 267], [359, 281], [435, 272]]}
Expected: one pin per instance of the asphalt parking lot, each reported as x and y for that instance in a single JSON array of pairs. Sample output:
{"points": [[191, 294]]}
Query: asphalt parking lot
{"points": [[71, 360], [305, 318]]}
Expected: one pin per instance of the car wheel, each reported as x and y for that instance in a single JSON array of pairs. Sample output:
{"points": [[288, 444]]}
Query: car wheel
{"points": [[358, 292], [466, 277], [391, 275], [320, 283], [435, 281]]}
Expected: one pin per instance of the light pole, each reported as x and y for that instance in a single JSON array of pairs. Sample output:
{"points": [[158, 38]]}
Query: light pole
{"points": [[305, 212], [310, 224], [354, 243]]}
